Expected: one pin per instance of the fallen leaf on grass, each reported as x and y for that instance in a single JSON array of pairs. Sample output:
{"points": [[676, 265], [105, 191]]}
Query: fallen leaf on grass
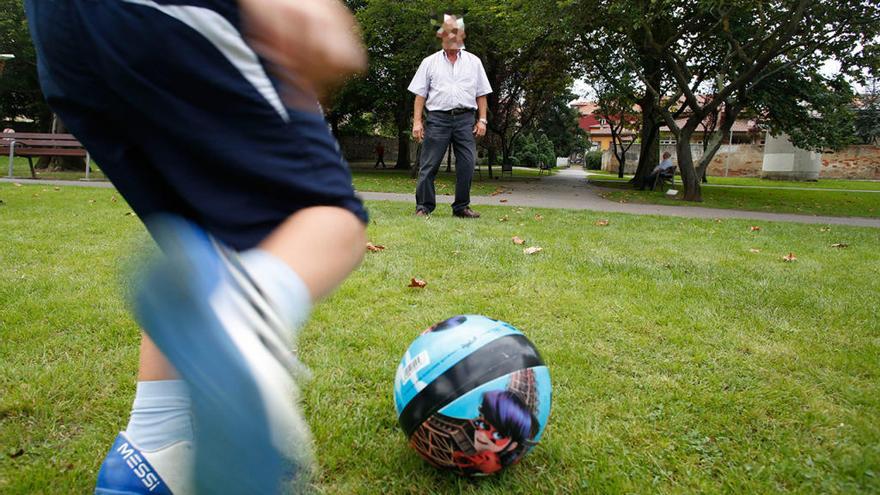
{"points": [[417, 283], [840, 245], [17, 453], [532, 250], [717, 220], [91, 201], [753, 250], [539, 217], [56, 188], [789, 258], [374, 247], [518, 241], [602, 223], [113, 199], [129, 213], [825, 229], [502, 201], [503, 219], [496, 192], [754, 228]]}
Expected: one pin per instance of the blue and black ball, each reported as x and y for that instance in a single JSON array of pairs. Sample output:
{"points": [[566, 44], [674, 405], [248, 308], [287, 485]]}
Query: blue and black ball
{"points": [[472, 395]]}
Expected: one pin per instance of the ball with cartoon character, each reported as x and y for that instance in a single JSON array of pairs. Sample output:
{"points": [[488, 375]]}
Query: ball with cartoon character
{"points": [[472, 395]]}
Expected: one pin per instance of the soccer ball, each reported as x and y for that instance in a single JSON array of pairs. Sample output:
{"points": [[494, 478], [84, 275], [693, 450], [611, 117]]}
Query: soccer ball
{"points": [[472, 395]]}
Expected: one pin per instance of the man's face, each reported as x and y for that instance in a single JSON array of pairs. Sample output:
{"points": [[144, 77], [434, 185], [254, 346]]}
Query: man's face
{"points": [[451, 37]]}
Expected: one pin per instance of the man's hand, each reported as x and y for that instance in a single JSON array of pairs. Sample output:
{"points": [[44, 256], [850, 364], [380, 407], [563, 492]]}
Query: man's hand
{"points": [[479, 129], [314, 44], [418, 133]]}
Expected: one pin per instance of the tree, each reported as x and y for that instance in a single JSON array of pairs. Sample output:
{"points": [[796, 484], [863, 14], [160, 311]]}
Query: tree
{"points": [[616, 108], [559, 122], [709, 56], [20, 94], [867, 119]]}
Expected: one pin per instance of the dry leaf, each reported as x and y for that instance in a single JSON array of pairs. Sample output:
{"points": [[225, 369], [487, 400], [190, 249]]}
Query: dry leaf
{"points": [[374, 247], [717, 220], [503, 201], [113, 199], [128, 213], [753, 250], [789, 257], [497, 191], [56, 188], [754, 228], [602, 223], [91, 201], [503, 219], [840, 245], [539, 217], [532, 250], [518, 241], [417, 283], [825, 229]]}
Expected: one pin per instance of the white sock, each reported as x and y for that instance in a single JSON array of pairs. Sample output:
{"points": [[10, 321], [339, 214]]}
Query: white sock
{"points": [[280, 284], [160, 415]]}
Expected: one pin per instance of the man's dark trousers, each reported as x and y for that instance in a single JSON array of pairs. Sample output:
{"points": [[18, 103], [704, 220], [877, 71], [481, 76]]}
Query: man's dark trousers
{"points": [[441, 129]]}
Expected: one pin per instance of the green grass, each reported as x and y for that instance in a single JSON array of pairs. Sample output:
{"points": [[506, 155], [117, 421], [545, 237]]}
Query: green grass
{"points": [[399, 181], [832, 203], [21, 170], [681, 361], [865, 185]]}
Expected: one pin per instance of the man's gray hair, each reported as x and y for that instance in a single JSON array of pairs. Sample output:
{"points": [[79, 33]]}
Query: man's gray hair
{"points": [[459, 22]]}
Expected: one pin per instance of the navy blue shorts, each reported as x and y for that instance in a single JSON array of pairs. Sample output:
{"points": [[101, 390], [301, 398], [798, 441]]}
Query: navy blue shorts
{"points": [[183, 117]]}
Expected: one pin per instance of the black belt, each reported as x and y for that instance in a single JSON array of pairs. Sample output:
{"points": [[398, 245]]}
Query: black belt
{"points": [[454, 111]]}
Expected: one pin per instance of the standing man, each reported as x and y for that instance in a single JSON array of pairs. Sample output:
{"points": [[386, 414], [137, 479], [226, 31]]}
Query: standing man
{"points": [[452, 85]]}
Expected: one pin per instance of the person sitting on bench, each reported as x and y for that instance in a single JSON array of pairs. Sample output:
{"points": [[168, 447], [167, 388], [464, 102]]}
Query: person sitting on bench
{"points": [[665, 169]]}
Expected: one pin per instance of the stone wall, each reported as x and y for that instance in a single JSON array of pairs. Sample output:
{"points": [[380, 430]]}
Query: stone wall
{"points": [[746, 160], [853, 162], [363, 148]]}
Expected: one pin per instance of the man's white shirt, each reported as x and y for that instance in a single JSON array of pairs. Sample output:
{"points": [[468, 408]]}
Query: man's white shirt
{"points": [[446, 86]]}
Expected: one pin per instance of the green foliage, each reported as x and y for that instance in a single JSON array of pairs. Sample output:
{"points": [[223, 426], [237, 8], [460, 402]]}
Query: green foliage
{"points": [[535, 149], [815, 112], [559, 122], [20, 94], [593, 160], [867, 119]]}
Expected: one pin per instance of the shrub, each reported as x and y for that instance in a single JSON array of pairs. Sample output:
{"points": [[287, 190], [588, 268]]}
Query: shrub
{"points": [[593, 160]]}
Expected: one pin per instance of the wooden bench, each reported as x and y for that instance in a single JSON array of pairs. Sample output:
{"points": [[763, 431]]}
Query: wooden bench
{"points": [[662, 178], [34, 144]]}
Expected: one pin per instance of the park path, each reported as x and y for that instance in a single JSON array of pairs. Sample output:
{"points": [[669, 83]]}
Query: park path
{"points": [[567, 189]]}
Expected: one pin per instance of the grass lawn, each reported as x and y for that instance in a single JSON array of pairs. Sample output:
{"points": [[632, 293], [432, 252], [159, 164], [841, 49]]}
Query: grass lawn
{"points": [[21, 170], [865, 185], [682, 361], [774, 197], [399, 181]]}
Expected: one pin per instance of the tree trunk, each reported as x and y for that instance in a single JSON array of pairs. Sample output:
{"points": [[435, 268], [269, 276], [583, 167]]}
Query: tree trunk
{"points": [[61, 162], [649, 137], [689, 177], [402, 116]]}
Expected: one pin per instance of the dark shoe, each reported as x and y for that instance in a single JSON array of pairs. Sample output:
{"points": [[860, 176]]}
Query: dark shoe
{"points": [[421, 213], [466, 213]]}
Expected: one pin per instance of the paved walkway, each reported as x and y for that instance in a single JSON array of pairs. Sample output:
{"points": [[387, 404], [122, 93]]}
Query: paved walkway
{"points": [[568, 189]]}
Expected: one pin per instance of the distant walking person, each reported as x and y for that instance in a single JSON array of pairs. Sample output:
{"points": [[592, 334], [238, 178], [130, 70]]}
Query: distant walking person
{"points": [[380, 155], [452, 85]]}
